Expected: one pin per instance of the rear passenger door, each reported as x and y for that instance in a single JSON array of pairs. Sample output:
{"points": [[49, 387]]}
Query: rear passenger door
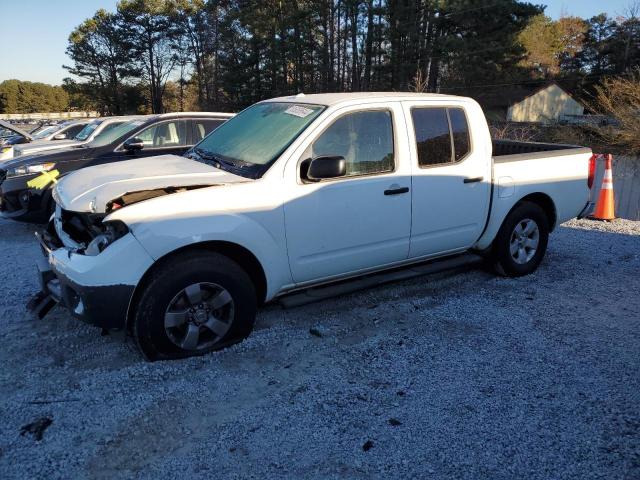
{"points": [[451, 180]]}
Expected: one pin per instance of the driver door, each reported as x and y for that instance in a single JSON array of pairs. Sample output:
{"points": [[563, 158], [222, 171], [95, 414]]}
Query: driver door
{"points": [[344, 225]]}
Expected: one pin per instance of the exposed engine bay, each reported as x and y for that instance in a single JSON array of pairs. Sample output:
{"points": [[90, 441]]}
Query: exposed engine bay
{"points": [[130, 198], [87, 233]]}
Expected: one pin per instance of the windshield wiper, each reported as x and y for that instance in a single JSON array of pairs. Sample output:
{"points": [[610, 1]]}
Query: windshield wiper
{"points": [[206, 155], [217, 159]]}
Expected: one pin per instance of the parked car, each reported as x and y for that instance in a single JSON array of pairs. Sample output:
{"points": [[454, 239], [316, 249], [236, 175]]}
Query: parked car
{"points": [[49, 134], [171, 133], [296, 192], [88, 133], [11, 135]]}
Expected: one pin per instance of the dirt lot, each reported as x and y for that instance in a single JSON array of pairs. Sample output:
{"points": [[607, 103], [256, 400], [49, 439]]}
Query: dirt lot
{"points": [[466, 376]]}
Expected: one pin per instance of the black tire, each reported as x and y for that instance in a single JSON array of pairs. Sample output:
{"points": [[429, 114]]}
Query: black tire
{"points": [[504, 263], [169, 281]]}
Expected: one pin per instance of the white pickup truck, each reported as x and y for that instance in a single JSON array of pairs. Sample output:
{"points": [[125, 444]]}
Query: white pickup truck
{"points": [[292, 193]]}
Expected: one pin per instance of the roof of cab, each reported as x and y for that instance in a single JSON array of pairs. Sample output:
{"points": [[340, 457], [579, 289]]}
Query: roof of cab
{"points": [[196, 114], [337, 98]]}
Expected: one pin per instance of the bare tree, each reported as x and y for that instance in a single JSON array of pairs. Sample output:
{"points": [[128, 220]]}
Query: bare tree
{"points": [[619, 97]]}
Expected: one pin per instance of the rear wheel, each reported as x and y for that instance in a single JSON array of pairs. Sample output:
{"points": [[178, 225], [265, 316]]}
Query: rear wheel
{"points": [[522, 240], [195, 303]]}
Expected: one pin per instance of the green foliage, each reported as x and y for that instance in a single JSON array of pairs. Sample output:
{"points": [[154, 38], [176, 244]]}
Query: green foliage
{"points": [[231, 53], [148, 28], [239, 51], [101, 56], [553, 46], [541, 39], [29, 97], [480, 45]]}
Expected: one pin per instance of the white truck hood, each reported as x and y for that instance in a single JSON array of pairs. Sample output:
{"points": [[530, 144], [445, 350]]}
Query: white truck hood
{"points": [[91, 188]]}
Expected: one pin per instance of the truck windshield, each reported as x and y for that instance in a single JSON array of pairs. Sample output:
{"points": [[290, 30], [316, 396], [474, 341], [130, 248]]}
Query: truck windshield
{"points": [[256, 137]]}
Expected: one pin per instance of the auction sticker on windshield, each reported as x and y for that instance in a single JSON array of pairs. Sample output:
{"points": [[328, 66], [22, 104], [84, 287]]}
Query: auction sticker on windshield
{"points": [[299, 111]]}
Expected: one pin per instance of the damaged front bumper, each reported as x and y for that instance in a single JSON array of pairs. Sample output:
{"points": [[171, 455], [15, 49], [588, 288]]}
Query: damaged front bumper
{"points": [[95, 289]]}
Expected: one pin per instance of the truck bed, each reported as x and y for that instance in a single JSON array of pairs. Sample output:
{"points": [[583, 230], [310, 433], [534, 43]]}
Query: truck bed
{"points": [[527, 168], [512, 151]]}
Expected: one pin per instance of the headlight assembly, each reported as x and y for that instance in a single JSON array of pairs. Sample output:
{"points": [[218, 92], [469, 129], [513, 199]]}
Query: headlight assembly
{"points": [[29, 169], [113, 230]]}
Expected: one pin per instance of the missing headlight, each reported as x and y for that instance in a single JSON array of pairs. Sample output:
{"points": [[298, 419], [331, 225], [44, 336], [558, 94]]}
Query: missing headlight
{"points": [[113, 230]]}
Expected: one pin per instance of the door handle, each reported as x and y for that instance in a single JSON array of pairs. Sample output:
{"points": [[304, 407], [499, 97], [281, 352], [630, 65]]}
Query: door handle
{"points": [[396, 191], [473, 180]]}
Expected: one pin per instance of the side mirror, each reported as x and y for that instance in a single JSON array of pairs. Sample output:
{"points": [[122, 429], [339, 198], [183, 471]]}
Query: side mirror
{"points": [[60, 136], [326, 167], [133, 144]]}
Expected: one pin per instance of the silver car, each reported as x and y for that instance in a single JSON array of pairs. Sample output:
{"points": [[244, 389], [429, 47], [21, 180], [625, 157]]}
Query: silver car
{"points": [[89, 131]]}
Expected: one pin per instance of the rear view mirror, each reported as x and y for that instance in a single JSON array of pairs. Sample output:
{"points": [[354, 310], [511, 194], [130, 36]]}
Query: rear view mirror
{"points": [[133, 144], [326, 167], [60, 136]]}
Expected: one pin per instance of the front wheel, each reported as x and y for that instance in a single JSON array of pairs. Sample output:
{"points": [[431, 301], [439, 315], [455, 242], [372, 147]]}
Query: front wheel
{"points": [[194, 303], [522, 240]]}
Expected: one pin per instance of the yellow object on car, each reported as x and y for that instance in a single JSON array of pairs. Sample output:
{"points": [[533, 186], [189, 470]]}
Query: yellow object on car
{"points": [[41, 182]]}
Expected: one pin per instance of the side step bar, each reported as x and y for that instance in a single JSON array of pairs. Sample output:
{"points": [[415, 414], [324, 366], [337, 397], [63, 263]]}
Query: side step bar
{"points": [[315, 294]]}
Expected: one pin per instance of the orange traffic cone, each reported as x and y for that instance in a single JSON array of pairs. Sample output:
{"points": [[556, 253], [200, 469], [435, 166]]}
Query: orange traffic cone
{"points": [[605, 205]]}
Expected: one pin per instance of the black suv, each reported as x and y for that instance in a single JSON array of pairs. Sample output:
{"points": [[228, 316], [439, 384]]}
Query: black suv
{"points": [[169, 133]]}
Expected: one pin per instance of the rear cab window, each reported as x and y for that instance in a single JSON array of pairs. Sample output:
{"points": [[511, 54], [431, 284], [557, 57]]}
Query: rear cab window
{"points": [[441, 135]]}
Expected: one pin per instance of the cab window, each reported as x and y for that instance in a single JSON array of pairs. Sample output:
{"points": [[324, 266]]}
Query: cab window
{"points": [[442, 135], [364, 139], [460, 132]]}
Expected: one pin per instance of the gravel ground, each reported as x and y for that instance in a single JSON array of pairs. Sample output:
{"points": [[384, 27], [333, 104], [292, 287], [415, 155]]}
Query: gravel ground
{"points": [[466, 376]]}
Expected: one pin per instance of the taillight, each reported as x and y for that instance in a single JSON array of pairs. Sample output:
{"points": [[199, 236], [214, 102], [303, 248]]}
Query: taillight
{"points": [[592, 170]]}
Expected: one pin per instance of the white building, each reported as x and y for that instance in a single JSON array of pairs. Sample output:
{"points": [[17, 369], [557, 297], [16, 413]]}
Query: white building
{"points": [[544, 105]]}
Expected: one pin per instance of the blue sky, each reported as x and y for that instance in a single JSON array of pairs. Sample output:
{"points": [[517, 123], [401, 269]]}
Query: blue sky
{"points": [[583, 8], [37, 31]]}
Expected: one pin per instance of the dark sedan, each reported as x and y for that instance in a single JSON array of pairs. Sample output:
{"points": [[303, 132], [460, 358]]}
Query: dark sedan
{"points": [[172, 133]]}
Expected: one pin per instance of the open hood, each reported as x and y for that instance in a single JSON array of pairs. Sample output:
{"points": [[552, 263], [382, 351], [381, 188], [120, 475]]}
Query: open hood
{"points": [[97, 189], [15, 129]]}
